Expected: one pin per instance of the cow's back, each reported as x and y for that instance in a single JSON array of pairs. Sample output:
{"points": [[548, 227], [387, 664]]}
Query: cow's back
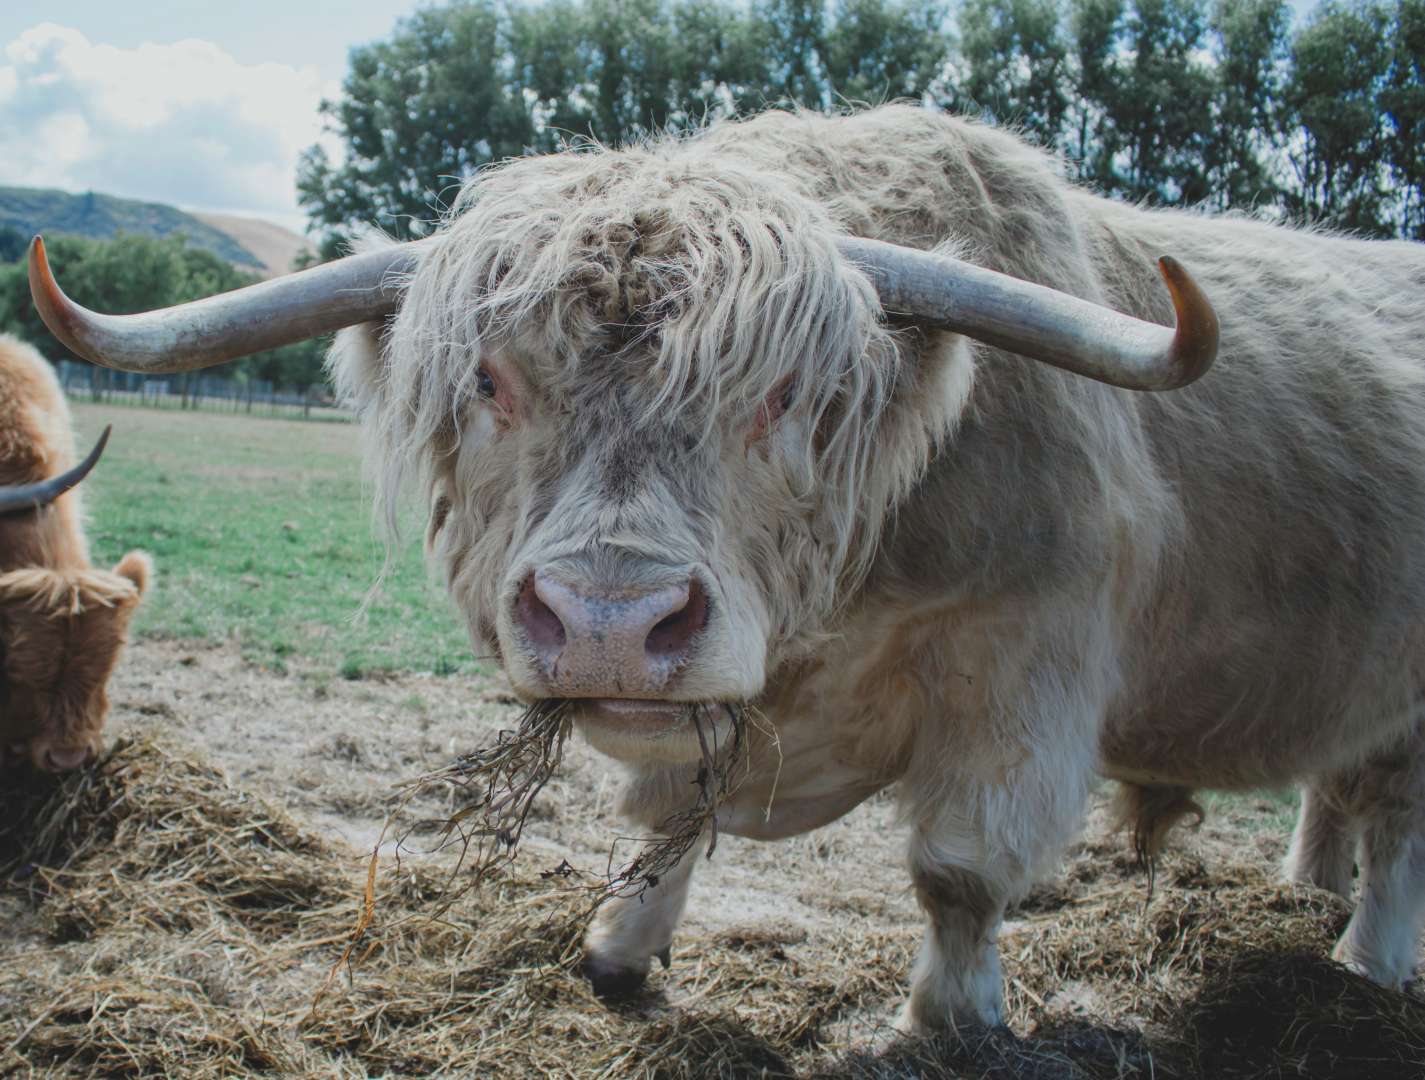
{"points": [[1266, 526], [1286, 628]]}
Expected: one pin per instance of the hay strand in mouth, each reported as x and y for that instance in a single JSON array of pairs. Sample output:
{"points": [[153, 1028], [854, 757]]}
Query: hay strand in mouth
{"points": [[719, 772], [498, 785]]}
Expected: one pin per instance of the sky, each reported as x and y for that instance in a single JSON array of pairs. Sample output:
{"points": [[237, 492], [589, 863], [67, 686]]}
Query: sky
{"points": [[199, 104]]}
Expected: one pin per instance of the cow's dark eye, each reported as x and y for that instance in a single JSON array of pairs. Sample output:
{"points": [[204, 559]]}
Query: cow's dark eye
{"points": [[780, 399], [485, 384]]}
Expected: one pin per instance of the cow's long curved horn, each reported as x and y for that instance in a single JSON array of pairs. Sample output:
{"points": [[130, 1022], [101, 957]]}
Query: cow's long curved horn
{"points": [[27, 497], [205, 332], [1042, 323], [1033, 320]]}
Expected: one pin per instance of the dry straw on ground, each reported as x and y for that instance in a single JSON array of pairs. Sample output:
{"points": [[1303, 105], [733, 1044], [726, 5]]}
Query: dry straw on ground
{"points": [[166, 922]]}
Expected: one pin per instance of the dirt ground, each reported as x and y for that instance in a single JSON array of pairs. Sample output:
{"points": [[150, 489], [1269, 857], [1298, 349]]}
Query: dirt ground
{"points": [[791, 961], [332, 752]]}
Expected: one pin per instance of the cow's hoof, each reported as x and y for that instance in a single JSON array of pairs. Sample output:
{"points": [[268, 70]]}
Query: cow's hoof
{"points": [[613, 982], [916, 1021], [1390, 972]]}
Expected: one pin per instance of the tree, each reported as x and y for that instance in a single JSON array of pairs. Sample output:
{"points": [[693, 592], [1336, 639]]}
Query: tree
{"points": [[1170, 101], [459, 87], [792, 32], [1240, 148], [1144, 93], [13, 244], [1333, 124], [1403, 100], [1016, 65], [1095, 26], [419, 114], [879, 50], [655, 65], [1161, 105]]}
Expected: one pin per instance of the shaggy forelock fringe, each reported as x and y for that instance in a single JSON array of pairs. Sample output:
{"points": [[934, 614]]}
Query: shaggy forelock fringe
{"points": [[702, 281], [58, 593]]}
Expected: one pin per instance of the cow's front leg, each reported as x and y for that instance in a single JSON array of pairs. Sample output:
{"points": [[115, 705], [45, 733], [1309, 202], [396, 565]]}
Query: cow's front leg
{"points": [[629, 931], [976, 846], [956, 979]]}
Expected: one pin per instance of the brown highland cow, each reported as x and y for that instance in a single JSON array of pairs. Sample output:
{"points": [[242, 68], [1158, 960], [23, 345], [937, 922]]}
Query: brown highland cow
{"points": [[62, 622]]}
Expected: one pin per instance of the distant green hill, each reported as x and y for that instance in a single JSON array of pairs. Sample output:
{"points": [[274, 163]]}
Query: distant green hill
{"points": [[102, 217]]}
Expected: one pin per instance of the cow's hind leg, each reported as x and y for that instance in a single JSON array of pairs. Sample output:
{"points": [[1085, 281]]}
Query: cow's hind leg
{"points": [[1323, 846], [1382, 940]]}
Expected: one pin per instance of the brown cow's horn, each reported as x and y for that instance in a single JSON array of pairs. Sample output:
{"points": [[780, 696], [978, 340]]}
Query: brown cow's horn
{"points": [[1044, 324], [1033, 320], [205, 332], [27, 497]]}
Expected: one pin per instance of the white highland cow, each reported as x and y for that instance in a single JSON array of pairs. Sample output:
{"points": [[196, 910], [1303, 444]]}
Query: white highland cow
{"points": [[840, 418]]}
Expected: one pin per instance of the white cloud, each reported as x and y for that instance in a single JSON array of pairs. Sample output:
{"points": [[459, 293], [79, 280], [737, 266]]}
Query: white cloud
{"points": [[183, 123]]}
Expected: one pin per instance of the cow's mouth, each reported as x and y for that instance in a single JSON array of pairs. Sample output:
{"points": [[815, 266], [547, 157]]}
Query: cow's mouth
{"points": [[643, 729], [637, 714]]}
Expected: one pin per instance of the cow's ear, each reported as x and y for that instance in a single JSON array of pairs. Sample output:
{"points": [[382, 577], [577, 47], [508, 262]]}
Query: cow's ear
{"points": [[137, 566], [357, 366]]}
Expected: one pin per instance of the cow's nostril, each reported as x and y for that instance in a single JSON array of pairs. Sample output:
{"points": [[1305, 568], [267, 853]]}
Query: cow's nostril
{"points": [[542, 626], [670, 639], [63, 759], [593, 640]]}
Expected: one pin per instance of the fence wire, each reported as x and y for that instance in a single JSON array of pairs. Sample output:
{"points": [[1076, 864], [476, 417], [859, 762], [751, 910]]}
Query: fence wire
{"points": [[197, 391]]}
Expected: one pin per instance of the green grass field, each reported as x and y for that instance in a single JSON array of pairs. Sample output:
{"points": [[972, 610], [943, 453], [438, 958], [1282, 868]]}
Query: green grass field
{"points": [[262, 534]]}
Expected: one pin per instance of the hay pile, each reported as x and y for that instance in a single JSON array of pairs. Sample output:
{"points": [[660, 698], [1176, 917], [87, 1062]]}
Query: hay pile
{"points": [[164, 922]]}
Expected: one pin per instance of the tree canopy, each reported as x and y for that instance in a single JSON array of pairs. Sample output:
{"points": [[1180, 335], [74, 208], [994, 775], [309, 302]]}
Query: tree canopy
{"points": [[461, 86], [1171, 102], [1174, 102]]}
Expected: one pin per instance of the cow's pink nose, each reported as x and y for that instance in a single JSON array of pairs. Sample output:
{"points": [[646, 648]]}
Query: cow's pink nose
{"points": [[609, 643]]}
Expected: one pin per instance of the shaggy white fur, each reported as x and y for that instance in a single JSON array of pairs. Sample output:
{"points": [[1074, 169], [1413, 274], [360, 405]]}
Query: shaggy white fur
{"points": [[944, 566]]}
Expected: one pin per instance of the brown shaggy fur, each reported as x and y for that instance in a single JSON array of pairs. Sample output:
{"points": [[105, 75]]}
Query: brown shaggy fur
{"points": [[62, 622]]}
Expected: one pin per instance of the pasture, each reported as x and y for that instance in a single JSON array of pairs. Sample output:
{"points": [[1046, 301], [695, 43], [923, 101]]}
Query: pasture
{"points": [[266, 538], [182, 908]]}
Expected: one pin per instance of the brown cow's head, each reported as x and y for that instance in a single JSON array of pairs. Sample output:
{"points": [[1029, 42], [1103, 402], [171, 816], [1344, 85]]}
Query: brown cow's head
{"points": [[61, 632]]}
